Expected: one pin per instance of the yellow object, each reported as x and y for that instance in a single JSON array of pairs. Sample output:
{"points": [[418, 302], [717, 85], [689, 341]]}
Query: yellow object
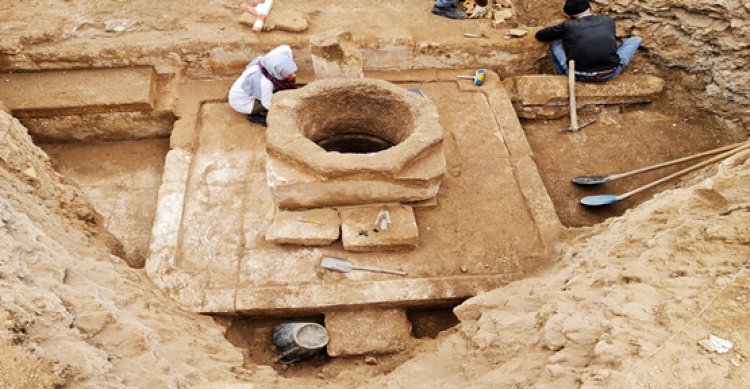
{"points": [[310, 221], [479, 75], [469, 6]]}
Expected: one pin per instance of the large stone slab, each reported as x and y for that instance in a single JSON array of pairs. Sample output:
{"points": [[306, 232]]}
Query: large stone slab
{"points": [[336, 291], [545, 96], [314, 227], [67, 92], [481, 234], [371, 331], [360, 232]]}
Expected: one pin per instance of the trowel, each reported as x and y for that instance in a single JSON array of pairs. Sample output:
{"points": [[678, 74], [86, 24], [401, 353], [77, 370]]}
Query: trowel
{"points": [[344, 266]]}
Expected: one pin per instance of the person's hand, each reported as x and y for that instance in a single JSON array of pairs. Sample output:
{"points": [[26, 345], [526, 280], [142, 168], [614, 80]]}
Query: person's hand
{"points": [[477, 12]]}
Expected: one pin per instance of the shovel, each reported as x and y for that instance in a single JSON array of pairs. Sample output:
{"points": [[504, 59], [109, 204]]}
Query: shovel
{"points": [[573, 106], [601, 200], [602, 179], [344, 266]]}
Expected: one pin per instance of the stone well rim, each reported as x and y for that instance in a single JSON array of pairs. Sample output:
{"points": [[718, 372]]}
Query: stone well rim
{"points": [[286, 140]]}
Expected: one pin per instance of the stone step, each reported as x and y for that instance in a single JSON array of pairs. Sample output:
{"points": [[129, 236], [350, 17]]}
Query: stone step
{"points": [[70, 92], [546, 96], [313, 227], [360, 233]]}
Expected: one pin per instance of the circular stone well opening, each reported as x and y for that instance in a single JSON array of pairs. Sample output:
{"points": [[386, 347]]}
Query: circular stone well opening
{"points": [[358, 119]]}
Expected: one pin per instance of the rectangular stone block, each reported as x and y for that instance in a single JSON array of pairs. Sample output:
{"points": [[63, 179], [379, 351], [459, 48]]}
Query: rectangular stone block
{"points": [[334, 56], [314, 227], [261, 268], [371, 331], [360, 230], [213, 245], [68, 92], [100, 126], [543, 96], [219, 300], [290, 296]]}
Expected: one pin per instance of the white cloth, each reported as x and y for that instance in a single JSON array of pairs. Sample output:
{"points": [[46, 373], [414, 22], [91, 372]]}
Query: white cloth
{"points": [[241, 101]]}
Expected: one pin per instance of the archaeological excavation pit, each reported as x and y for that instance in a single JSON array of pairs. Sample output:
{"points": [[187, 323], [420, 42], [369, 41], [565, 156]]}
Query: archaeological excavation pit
{"points": [[226, 182], [482, 215], [136, 114]]}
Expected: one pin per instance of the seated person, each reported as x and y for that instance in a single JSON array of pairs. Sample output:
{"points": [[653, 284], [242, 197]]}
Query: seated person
{"points": [[590, 41], [475, 9], [251, 94]]}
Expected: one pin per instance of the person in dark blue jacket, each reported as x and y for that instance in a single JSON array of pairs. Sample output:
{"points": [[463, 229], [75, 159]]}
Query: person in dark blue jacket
{"points": [[590, 41]]}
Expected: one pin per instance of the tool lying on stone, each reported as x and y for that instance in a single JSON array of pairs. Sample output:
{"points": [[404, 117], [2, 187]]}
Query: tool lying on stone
{"points": [[416, 91], [596, 179], [383, 220], [573, 107], [478, 77], [261, 11], [601, 200], [344, 266], [310, 221]]}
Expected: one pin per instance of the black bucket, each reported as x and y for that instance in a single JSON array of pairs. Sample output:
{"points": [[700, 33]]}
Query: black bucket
{"points": [[298, 341]]}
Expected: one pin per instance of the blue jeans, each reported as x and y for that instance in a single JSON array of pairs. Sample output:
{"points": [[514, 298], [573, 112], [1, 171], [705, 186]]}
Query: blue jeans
{"points": [[446, 3], [626, 52]]}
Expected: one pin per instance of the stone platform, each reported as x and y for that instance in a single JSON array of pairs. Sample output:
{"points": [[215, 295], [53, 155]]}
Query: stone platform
{"points": [[493, 221]]}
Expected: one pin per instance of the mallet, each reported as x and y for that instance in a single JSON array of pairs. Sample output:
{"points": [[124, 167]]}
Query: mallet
{"points": [[478, 77]]}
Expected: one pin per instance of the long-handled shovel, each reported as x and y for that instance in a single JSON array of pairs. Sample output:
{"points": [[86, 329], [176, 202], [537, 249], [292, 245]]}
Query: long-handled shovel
{"points": [[573, 105], [596, 179], [344, 266], [601, 200]]}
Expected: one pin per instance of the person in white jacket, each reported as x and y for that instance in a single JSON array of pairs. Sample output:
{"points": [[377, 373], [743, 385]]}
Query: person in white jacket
{"points": [[252, 93]]}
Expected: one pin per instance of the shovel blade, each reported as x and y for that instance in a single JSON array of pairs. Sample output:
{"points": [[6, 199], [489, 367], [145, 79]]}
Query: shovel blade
{"points": [[336, 264], [600, 200], [593, 179]]}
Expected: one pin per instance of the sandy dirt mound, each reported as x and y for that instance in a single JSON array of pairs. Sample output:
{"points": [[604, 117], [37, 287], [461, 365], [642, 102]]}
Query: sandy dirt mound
{"points": [[625, 306], [73, 311]]}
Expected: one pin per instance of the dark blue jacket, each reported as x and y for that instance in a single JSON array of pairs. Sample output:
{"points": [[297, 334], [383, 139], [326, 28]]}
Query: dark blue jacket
{"points": [[590, 41]]}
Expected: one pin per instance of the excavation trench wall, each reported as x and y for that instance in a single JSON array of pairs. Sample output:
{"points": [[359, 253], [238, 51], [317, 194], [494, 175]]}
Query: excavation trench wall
{"points": [[66, 296], [709, 40], [63, 294]]}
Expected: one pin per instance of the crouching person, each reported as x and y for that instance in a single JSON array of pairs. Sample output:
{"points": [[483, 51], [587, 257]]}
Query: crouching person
{"points": [[590, 41], [251, 94]]}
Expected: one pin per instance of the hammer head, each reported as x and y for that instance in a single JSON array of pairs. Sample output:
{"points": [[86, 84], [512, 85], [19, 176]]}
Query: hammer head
{"points": [[582, 126], [479, 77]]}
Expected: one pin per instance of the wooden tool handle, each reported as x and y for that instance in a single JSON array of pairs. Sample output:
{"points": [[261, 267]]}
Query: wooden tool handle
{"points": [[684, 171], [572, 93], [676, 161]]}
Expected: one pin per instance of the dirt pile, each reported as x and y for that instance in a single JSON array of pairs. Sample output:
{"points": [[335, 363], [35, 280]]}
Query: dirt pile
{"points": [[623, 308], [709, 39], [72, 312]]}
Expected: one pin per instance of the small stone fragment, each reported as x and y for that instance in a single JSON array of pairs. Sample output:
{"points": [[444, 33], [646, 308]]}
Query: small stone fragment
{"points": [[516, 33], [722, 346], [706, 344], [371, 360]]}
